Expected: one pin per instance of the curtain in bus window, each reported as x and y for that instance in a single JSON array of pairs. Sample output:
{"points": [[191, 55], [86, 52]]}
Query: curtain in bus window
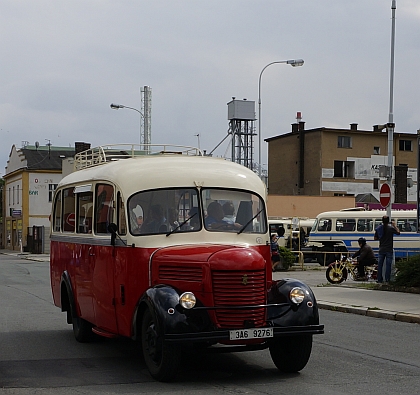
{"points": [[121, 221], [57, 213], [104, 207], [69, 217]]}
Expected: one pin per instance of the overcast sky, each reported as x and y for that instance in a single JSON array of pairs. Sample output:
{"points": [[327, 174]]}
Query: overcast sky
{"points": [[63, 63]]}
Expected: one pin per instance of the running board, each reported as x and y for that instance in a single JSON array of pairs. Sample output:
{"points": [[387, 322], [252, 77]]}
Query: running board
{"points": [[104, 333]]}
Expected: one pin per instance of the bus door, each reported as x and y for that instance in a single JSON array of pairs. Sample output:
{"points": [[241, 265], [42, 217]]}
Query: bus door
{"points": [[103, 258], [84, 253]]}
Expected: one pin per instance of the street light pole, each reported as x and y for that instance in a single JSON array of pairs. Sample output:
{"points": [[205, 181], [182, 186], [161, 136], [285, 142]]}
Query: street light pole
{"points": [[293, 63], [118, 106], [391, 124]]}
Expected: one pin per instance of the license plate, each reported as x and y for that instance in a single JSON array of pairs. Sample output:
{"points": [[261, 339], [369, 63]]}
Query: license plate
{"points": [[252, 333]]}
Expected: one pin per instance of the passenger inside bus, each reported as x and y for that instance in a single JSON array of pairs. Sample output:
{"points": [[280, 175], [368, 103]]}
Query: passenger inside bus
{"points": [[155, 221], [215, 215], [229, 211]]}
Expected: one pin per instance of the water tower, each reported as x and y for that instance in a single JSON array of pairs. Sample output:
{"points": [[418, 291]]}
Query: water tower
{"points": [[241, 116]]}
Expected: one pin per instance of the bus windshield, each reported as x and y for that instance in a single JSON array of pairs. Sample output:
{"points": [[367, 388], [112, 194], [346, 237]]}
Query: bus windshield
{"points": [[165, 211], [233, 210]]}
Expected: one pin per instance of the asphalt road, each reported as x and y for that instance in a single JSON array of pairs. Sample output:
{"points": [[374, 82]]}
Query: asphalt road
{"points": [[38, 354]]}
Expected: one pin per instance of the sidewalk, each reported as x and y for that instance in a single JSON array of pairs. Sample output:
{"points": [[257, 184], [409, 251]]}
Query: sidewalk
{"points": [[347, 297], [27, 255]]}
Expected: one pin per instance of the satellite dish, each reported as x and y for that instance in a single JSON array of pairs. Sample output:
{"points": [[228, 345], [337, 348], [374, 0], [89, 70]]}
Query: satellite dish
{"points": [[36, 144]]}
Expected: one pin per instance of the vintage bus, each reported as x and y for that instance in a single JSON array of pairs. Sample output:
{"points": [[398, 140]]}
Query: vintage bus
{"points": [[340, 230], [287, 228], [171, 249]]}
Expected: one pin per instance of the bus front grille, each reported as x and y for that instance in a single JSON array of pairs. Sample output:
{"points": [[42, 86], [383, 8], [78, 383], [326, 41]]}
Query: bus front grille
{"points": [[237, 289]]}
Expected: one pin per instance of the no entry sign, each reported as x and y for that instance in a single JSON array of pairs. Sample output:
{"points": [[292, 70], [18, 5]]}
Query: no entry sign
{"points": [[385, 195]]}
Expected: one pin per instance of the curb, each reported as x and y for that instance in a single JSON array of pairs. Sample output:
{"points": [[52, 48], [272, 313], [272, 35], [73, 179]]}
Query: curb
{"points": [[376, 313]]}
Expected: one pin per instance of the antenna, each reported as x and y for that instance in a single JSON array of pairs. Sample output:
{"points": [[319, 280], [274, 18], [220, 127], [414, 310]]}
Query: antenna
{"points": [[49, 148]]}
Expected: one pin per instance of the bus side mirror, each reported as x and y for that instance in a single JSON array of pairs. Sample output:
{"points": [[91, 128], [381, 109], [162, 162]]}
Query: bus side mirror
{"points": [[112, 228]]}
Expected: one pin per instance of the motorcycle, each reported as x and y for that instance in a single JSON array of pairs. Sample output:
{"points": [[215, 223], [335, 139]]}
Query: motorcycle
{"points": [[340, 270]]}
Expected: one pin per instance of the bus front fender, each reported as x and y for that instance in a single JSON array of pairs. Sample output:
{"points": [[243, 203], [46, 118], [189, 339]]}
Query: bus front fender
{"points": [[283, 311], [163, 303]]}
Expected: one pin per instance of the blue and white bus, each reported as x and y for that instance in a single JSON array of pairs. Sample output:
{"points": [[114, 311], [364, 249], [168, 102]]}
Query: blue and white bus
{"points": [[340, 230]]}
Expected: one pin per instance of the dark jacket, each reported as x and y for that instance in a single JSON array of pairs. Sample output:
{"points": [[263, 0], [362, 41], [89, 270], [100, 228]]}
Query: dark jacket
{"points": [[365, 254]]}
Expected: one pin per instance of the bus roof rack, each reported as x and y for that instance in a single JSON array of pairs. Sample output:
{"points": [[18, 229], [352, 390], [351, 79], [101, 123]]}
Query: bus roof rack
{"points": [[106, 153]]}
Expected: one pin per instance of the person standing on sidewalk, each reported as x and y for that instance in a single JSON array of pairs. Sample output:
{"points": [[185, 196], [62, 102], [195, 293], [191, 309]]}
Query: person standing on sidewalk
{"points": [[385, 234]]}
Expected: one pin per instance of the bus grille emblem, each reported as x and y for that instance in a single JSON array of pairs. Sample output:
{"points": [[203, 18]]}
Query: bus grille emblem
{"points": [[245, 280]]}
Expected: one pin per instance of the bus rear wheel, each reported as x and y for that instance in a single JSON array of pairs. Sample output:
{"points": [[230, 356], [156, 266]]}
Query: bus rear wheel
{"points": [[162, 360], [82, 329]]}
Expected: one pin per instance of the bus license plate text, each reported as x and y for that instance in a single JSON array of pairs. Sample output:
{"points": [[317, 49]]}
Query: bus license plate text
{"points": [[252, 333]]}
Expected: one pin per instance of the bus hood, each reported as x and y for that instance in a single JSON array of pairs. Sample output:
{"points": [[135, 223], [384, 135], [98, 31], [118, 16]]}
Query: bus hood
{"points": [[215, 257]]}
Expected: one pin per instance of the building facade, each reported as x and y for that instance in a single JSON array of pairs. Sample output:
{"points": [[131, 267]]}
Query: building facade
{"points": [[31, 176], [340, 162]]}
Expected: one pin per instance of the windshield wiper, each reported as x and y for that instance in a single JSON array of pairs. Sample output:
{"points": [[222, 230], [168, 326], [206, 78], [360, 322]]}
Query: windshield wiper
{"points": [[255, 216], [180, 225]]}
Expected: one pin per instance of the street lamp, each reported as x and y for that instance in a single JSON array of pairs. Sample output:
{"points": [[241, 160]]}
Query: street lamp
{"points": [[293, 63], [391, 124], [118, 106]]}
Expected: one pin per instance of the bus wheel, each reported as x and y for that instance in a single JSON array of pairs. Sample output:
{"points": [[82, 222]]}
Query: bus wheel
{"points": [[324, 257], [82, 329], [290, 354], [161, 359]]}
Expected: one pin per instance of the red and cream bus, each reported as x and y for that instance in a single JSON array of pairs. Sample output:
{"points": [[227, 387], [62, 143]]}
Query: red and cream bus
{"points": [[172, 249]]}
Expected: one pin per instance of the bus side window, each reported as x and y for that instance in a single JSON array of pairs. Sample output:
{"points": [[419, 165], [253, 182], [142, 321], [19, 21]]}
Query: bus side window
{"points": [[84, 212], [57, 213], [68, 219], [406, 225], [324, 225], [104, 207], [361, 225]]}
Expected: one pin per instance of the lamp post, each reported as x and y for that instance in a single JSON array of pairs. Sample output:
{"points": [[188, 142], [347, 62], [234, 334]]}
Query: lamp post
{"points": [[118, 106], [391, 124], [293, 63]]}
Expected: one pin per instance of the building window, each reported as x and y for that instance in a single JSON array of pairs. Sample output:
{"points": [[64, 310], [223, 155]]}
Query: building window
{"points": [[17, 195], [51, 189], [405, 145], [376, 150], [343, 169], [13, 195], [344, 142]]}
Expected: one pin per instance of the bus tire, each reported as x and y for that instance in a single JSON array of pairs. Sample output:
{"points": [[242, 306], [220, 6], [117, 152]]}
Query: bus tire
{"points": [[290, 354], [162, 359], [328, 257], [82, 329]]}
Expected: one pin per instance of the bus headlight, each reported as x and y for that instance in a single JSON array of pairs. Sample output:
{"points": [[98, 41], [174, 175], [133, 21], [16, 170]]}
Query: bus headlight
{"points": [[297, 295], [187, 300]]}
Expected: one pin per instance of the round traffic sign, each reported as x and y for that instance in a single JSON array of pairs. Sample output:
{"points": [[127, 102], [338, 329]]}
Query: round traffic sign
{"points": [[385, 195]]}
